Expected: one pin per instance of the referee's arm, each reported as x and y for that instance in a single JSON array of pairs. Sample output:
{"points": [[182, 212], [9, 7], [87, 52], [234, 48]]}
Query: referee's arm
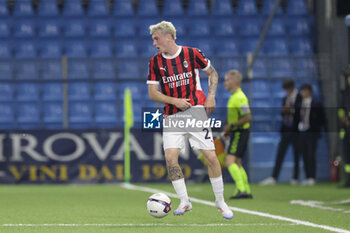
{"points": [[245, 119]]}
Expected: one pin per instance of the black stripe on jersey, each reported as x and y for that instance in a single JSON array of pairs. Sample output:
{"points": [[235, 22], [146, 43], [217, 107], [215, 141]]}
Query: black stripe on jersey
{"points": [[157, 70], [191, 55], [200, 62], [185, 70], [176, 71], [171, 107]]}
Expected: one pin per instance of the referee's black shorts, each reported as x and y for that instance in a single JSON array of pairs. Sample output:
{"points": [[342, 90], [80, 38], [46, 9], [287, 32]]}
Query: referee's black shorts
{"points": [[238, 142]]}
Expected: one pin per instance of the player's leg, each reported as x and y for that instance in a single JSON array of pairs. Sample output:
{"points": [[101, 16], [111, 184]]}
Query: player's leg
{"points": [[202, 139], [234, 165], [312, 157], [215, 177], [233, 162], [281, 152], [177, 179], [172, 143], [296, 154], [303, 149], [246, 182], [242, 147]]}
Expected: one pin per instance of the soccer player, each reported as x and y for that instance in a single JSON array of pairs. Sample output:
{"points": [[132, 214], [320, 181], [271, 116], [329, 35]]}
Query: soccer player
{"points": [[175, 70], [237, 128]]}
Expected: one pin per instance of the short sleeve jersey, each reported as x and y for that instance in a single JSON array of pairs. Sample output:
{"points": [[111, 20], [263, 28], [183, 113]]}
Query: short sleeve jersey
{"points": [[237, 107], [178, 75]]}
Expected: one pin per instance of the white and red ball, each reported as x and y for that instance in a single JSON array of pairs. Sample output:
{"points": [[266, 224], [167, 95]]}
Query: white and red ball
{"points": [[159, 205]]}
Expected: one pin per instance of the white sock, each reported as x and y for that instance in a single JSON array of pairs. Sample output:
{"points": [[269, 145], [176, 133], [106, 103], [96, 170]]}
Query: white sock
{"points": [[218, 188], [180, 189]]}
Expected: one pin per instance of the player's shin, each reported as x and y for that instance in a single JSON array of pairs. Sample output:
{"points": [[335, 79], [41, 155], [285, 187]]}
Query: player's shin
{"points": [[237, 176], [180, 189], [218, 188], [245, 181]]}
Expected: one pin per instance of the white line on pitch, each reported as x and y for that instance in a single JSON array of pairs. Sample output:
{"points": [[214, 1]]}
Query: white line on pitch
{"points": [[340, 202], [141, 225], [319, 205], [209, 203]]}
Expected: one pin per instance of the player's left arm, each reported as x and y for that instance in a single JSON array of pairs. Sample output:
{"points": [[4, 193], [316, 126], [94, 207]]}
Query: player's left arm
{"points": [[210, 103]]}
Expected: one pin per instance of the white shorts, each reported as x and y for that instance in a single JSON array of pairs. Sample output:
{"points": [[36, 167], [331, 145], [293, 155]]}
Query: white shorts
{"points": [[174, 134]]}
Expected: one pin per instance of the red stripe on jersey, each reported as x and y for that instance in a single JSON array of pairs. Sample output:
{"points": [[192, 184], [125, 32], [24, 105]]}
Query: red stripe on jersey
{"points": [[180, 70], [201, 97], [170, 69], [189, 69], [199, 57], [199, 93], [151, 75], [166, 87]]}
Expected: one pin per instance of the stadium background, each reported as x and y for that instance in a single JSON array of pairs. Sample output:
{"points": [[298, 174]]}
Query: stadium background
{"points": [[64, 66]]}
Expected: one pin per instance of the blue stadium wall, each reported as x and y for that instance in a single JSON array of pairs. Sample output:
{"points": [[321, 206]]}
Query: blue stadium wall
{"points": [[108, 46]]}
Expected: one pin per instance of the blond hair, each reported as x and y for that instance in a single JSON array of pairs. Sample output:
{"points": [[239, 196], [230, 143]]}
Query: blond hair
{"points": [[235, 74], [165, 27]]}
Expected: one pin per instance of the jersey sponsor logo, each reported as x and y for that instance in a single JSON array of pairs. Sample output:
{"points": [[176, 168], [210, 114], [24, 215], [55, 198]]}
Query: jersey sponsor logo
{"points": [[177, 80]]}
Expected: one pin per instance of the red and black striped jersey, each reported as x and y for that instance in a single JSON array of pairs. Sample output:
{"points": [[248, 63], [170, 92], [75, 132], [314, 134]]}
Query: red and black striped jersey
{"points": [[178, 75]]}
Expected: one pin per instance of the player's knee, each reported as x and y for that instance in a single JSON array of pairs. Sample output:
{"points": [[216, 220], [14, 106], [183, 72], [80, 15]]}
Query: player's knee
{"points": [[230, 159], [170, 159], [211, 159]]}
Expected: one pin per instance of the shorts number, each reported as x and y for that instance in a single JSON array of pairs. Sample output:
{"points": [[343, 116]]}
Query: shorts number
{"points": [[206, 135]]}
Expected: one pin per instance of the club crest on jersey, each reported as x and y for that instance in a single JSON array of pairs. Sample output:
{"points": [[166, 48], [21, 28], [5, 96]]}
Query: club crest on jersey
{"points": [[185, 64]]}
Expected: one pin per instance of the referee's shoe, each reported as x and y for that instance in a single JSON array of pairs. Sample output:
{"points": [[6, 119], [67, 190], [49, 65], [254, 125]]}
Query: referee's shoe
{"points": [[241, 195]]}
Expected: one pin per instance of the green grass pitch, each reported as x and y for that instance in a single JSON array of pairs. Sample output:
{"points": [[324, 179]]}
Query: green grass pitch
{"points": [[116, 209]]}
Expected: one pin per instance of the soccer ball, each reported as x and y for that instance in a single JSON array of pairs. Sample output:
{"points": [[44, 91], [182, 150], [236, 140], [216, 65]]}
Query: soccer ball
{"points": [[159, 205]]}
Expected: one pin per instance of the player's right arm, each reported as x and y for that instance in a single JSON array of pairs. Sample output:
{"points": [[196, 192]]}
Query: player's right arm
{"points": [[156, 95]]}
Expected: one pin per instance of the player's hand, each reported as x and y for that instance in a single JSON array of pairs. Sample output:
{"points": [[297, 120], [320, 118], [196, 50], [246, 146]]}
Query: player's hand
{"points": [[210, 104], [347, 123], [182, 103], [225, 136], [286, 109], [227, 129]]}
